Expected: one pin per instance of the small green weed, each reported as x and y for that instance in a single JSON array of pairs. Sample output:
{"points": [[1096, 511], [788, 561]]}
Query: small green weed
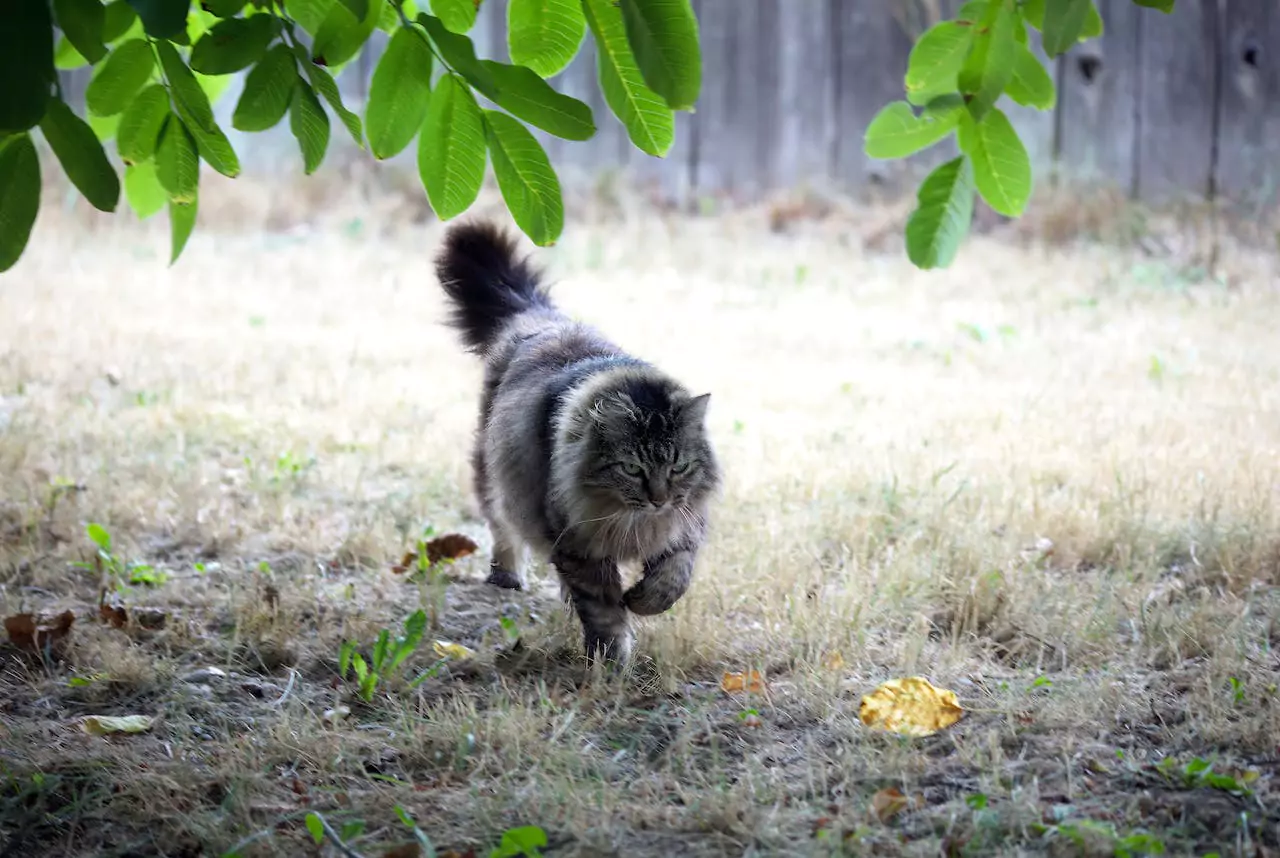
{"points": [[386, 657]]}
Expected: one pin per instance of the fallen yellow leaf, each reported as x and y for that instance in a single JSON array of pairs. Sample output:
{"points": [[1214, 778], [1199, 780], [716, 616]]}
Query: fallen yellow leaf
{"points": [[888, 803], [735, 682], [910, 706], [101, 725], [446, 649]]}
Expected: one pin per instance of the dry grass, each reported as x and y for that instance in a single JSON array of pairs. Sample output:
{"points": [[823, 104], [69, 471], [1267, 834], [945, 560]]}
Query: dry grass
{"points": [[1046, 478]]}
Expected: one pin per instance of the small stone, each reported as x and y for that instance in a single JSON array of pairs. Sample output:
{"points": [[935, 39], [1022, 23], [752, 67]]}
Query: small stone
{"points": [[205, 675]]}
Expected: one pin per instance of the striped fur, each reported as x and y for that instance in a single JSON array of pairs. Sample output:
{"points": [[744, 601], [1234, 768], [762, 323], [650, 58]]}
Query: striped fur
{"points": [[587, 455]]}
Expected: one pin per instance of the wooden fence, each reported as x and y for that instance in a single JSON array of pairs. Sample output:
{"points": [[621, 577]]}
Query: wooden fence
{"points": [[1166, 107]]}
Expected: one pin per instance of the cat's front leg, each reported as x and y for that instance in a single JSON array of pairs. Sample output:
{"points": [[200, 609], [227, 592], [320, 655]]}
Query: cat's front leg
{"points": [[596, 590], [666, 578]]}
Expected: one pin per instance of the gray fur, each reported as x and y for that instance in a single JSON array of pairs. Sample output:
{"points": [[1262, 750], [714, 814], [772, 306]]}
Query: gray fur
{"points": [[587, 455]]}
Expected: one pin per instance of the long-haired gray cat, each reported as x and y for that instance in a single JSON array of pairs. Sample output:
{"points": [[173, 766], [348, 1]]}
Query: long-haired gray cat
{"points": [[586, 454]]}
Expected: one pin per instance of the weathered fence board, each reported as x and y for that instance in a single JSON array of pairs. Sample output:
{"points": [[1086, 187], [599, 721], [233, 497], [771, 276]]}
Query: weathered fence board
{"points": [[1177, 69], [1248, 166], [1097, 118]]}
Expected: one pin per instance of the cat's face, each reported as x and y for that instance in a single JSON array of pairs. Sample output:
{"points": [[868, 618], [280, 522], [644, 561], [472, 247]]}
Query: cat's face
{"points": [[653, 456]]}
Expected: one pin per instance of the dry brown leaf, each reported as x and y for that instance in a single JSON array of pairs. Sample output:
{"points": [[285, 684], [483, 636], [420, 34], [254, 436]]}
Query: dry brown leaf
{"points": [[33, 633], [101, 725], [910, 706], [751, 681], [113, 615], [404, 850], [450, 546], [888, 803], [833, 660], [448, 649]]}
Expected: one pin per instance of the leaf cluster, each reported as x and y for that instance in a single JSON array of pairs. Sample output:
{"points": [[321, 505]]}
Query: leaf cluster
{"points": [[957, 73], [159, 65]]}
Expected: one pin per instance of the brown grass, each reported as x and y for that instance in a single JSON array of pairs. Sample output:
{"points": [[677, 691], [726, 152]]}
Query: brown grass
{"points": [[1045, 478]]}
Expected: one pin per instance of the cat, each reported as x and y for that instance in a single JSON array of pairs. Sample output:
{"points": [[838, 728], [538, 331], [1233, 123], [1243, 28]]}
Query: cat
{"points": [[586, 454]]}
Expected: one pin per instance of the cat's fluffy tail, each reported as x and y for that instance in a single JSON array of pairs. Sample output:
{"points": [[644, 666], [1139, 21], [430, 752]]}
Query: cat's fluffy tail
{"points": [[486, 283]]}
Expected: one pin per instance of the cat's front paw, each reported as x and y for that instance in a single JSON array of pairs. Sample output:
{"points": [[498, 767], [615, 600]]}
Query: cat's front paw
{"points": [[652, 596]]}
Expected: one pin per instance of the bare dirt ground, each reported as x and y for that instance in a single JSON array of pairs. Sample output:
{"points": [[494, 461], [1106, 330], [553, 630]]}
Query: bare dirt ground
{"points": [[1047, 478]]}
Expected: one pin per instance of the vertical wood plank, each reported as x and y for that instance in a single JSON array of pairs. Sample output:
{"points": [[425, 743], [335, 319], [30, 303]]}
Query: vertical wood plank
{"points": [[1098, 89], [1248, 166], [1177, 67], [806, 119], [871, 49], [728, 129]]}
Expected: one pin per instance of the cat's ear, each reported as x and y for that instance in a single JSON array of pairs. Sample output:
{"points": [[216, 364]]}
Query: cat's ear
{"points": [[694, 411]]}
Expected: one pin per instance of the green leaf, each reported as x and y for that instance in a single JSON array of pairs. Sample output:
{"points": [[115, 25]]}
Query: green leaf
{"points": [[118, 18], [82, 23], [309, 124], [227, 8], [457, 15], [1001, 167], [663, 35], [896, 131], [324, 84], [81, 155], [545, 35], [65, 56], [944, 209], [358, 8], [341, 35], [234, 44], [99, 536], [182, 222], [1165, 6], [1031, 85], [316, 827], [143, 190], [104, 126], [526, 95], [216, 150], [26, 64], [451, 149], [162, 19], [398, 93], [1093, 27], [1064, 21], [268, 88], [650, 123], [19, 196], [140, 125], [177, 164], [189, 97], [309, 14], [528, 184], [936, 59], [458, 51], [118, 80], [989, 66]]}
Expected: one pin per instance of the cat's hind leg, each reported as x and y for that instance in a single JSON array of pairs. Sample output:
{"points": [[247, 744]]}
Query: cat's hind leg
{"points": [[508, 551], [508, 558]]}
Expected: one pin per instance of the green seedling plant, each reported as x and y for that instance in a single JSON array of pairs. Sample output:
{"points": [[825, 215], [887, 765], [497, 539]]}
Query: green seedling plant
{"points": [[1199, 773], [116, 575], [386, 658]]}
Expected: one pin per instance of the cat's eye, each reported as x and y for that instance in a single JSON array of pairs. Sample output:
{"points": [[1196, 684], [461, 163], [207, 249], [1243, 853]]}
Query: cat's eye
{"points": [[681, 467], [631, 469]]}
